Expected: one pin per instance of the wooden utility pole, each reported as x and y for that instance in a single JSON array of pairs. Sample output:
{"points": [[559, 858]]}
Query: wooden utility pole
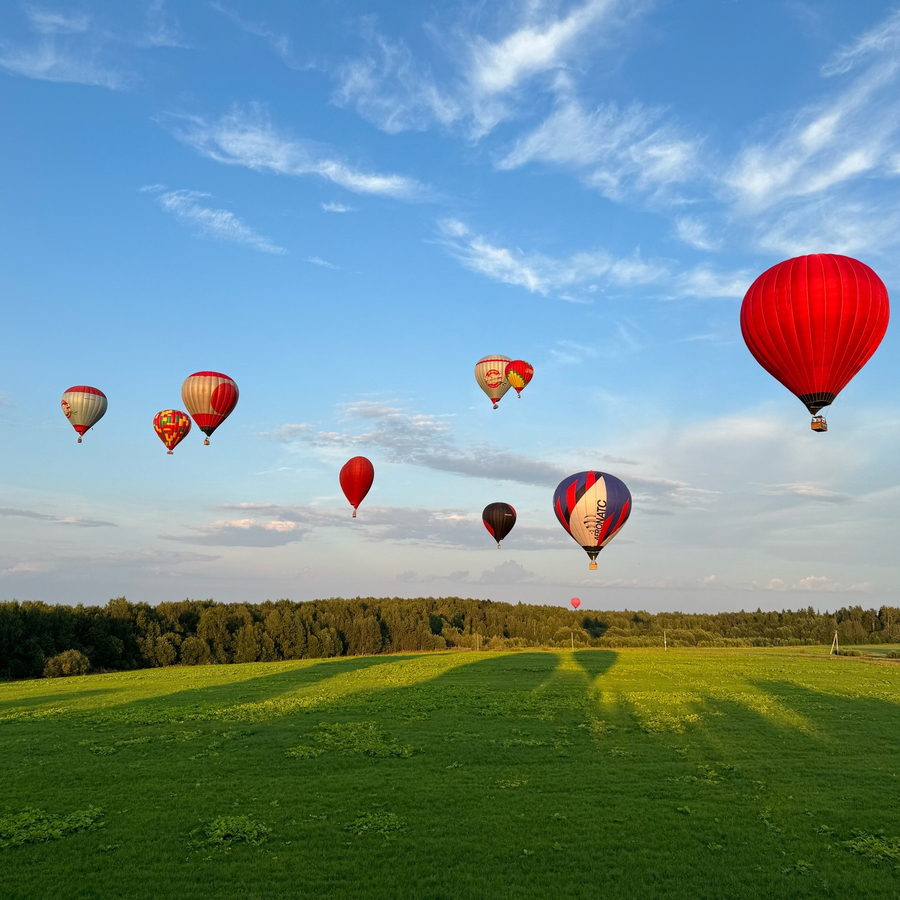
{"points": [[665, 642], [835, 648]]}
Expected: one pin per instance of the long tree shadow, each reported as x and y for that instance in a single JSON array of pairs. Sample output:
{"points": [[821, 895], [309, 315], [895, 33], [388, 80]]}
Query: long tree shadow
{"points": [[216, 700], [43, 699]]}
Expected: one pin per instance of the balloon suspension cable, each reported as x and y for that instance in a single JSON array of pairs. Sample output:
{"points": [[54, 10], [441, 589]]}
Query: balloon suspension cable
{"points": [[205, 442]]}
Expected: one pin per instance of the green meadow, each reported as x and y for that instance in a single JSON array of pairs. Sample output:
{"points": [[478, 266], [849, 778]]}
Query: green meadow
{"points": [[595, 773]]}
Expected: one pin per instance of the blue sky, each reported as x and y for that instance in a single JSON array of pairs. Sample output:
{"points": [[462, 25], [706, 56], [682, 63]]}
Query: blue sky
{"points": [[345, 205]]}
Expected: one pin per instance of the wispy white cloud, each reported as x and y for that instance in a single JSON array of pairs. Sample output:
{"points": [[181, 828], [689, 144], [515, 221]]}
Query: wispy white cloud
{"points": [[77, 521], [50, 21], [336, 207], [883, 38], [246, 137], [582, 274], [162, 27], [391, 88], [318, 261], [695, 233], [279, 41], [806, 490], [216, 223], [69, 49], [616, 151], [47, 62], [542, 274]]}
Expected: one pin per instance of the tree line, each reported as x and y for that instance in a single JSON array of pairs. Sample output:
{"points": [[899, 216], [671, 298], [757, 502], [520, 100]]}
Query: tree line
{"points": [[39, 638]]}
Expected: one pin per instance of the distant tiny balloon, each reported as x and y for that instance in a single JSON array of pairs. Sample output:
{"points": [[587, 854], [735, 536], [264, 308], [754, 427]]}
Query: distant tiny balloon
{"points": [[575, 602]]}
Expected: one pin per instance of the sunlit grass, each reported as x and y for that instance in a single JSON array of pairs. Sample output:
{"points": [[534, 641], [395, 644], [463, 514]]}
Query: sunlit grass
{"points": [[594, 773]]}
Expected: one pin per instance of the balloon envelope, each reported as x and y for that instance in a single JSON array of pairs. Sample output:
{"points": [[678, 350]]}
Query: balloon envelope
{"points": [[813, 322], [356, 478], [575, 602], [592, 507], [490, 373], [210, 398], [172, 426], [499, 519], [83, 406], [518, 373]]}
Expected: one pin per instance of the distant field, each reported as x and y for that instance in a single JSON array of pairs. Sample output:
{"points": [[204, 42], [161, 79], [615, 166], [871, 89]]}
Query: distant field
{"points": [[595, 774]]}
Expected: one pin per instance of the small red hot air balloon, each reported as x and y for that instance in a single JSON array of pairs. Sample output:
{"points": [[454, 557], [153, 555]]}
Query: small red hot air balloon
{"points": [[172, 426], [518, 374], [813, 322], [575, 602], [356, 478]]}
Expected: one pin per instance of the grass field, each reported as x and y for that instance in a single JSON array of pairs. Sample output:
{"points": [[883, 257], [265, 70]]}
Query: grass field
{"points": [[631, 773]]}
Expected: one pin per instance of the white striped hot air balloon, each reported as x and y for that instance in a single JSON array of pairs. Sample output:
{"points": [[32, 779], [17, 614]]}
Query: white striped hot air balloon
{"points": [[83, 406], [209, 397], [490, 373]]}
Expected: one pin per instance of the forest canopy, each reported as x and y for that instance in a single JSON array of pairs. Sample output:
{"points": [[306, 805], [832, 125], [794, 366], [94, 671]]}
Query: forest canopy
{"points": [[122, 635]]}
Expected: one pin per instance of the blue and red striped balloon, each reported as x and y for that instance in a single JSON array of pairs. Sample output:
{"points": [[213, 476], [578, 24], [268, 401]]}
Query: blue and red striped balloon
{"points": [[592, 507]]}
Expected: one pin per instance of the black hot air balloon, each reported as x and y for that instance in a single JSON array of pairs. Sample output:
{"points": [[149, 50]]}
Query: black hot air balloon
{"points": [[499, 519]]}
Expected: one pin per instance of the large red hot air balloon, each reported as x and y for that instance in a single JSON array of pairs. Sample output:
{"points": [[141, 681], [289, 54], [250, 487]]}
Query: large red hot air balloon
{"points": [[210, 398], [813, 322], [356, 478]]}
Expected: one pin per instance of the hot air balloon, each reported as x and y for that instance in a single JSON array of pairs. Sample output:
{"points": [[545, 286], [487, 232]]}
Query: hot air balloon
{"points": [[83, 406], [490, 373], [356, 478], [518, 373], [575, 602], [209, 397], [172, 426], [813, 322], [499, 519], [592, 507]]}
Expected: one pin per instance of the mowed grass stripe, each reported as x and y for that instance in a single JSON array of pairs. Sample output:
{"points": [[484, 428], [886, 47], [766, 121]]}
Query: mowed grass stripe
{"points": [[594, 773]]}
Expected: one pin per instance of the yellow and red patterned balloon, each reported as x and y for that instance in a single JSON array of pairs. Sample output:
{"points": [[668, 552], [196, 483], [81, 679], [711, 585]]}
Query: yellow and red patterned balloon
{"points": [[518, 374], [172, 426], [490, 373], [209, 397], [83, 406]]}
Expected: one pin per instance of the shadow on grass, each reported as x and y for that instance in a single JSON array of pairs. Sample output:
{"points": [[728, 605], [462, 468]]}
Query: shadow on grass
{"points": [[216, 700], [41, 699]]}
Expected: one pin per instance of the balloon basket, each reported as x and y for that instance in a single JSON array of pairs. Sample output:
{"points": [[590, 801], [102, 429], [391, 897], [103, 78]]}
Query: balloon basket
{"points": [[206, 442], [354, 513], [593, 566], [168, 453], [495, 406], [498, 545], [819, 424], [79, 440]]}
